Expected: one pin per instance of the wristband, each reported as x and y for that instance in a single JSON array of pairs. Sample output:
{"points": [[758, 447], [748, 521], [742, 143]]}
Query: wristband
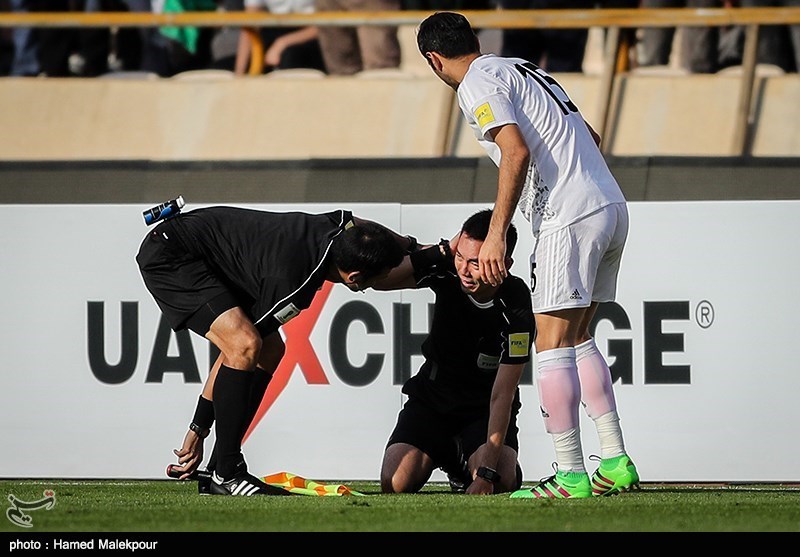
{"points": [[200, 431], [444, 247], [488, 474], [424, 260], [203, 413]]}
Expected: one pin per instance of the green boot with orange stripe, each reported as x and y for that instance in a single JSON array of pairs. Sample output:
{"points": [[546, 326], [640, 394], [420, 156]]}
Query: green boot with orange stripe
{"points": [[562, 485]]}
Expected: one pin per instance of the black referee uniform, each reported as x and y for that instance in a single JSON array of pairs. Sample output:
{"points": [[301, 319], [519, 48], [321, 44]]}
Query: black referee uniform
{"points": [[449, 396], [199, 264], [203, 262]]}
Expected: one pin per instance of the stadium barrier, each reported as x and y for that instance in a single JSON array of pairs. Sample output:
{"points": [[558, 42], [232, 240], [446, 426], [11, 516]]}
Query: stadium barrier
{"points": [[213, 119], [373, 116], [699, 363]]}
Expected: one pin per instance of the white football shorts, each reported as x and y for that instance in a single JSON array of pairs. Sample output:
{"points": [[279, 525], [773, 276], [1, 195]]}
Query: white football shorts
{"points": [[576, 265]]}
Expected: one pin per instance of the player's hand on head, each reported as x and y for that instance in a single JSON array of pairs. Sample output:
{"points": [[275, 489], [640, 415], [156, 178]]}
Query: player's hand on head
{"points": [[492, 261]]}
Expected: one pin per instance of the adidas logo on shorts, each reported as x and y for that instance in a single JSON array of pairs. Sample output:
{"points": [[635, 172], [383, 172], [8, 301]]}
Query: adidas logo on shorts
{"points": [[575, 295]]}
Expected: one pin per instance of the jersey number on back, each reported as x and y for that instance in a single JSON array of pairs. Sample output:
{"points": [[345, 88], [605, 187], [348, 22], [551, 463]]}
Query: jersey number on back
{"points": [[547, 83]]}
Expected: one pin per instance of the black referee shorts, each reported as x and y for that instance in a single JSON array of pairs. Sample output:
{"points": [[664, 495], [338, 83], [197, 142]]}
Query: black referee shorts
{"points": [[434, 433], [189, 293]]}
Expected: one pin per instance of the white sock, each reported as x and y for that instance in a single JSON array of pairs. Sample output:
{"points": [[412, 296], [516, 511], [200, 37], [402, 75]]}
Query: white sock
{"points": [[610, 435], [569, 453]]}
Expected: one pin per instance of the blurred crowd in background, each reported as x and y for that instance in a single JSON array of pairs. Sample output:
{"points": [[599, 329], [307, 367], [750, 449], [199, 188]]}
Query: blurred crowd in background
{"points": [[335, 50]]}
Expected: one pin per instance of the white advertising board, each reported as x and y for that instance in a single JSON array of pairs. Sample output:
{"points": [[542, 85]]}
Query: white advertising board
{"points": [[700, 342]]}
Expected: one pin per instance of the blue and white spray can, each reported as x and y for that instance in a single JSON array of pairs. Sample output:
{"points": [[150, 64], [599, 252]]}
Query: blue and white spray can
{"points": [[164, 210]]}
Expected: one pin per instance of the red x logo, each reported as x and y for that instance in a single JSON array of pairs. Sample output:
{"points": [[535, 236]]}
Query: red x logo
{"points": [[299, 353]]}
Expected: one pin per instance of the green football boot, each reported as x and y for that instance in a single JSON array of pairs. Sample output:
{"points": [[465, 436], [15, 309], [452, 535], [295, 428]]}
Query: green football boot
{"points": [[614, 475], [562, 485]]}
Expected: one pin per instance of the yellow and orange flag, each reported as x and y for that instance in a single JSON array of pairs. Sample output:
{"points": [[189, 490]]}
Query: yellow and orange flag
{"points": [[298, 485]]}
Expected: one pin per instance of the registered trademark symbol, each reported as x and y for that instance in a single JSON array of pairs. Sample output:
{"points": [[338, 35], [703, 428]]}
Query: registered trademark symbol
{"points": [[704, 314]]}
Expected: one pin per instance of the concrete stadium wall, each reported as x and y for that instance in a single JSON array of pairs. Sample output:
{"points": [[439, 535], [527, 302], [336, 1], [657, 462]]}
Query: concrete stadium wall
{"points": [[381, 114], [376, 115]]}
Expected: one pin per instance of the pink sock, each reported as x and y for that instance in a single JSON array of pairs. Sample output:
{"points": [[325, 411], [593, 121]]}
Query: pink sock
{"points": [[598, 397], [595, 380], [559, 389]]}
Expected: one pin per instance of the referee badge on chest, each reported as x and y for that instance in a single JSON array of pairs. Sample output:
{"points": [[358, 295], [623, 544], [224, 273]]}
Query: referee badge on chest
{"points": [[286, 313]]}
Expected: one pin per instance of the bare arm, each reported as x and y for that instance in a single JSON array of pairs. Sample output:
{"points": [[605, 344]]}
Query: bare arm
{"points": [[244, 49], [190, 455], [512, 173], [505, 385], [398, 278], [272, 57]]}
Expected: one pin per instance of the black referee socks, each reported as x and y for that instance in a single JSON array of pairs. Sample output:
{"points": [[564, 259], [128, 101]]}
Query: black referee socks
{"points": [[231, 410]]}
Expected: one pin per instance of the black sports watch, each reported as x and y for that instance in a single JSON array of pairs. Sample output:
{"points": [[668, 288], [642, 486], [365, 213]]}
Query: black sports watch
{"points": [[488, 474]]}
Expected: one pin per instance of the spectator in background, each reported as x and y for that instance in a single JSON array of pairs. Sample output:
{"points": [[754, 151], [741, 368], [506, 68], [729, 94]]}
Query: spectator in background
{"points": [[25, 60], [79, 51], [284, 47], [554, 50], [188, 48], [778, 44], [225, 41], [439, 5], [153, 55], [91, 56], [71, 51], [104, 49], [45, 50], [700, 45], [627, 34], [6, 50], [349, 50]]}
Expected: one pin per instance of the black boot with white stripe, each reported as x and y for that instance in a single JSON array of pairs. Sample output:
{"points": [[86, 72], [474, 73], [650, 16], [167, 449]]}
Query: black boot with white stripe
{"points": [[242, 484]]}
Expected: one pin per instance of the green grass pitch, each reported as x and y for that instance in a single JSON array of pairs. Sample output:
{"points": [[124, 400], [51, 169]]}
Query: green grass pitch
{"points": [[119, 506]]}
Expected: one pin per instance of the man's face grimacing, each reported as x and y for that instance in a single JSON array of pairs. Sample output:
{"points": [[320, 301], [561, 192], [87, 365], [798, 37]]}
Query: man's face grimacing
{"points": [[466, 262]]}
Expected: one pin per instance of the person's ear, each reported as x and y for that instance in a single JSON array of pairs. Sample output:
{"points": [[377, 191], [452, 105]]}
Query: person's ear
{"points": [[435, 60], [353, 277]]}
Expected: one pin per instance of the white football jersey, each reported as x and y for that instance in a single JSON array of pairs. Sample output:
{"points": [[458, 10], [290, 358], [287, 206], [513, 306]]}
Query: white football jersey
{"points": [[568, 177]]}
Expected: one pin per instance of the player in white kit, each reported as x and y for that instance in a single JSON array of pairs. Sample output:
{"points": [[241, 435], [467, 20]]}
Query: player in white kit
{"points": [[549, 166]]}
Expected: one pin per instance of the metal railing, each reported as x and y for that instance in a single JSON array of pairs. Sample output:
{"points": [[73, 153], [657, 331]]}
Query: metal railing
{"points": [[489, 19], [613, 20]]}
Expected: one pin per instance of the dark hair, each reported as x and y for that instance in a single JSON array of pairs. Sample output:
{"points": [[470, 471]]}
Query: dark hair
{"points": [[477, 227], [367, 247], [448, 34]]}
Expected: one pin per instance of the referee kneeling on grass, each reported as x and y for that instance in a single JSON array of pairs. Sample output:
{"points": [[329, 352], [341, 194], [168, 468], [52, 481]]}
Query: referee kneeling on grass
{"points": [[235, 276], [462, 406]]}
